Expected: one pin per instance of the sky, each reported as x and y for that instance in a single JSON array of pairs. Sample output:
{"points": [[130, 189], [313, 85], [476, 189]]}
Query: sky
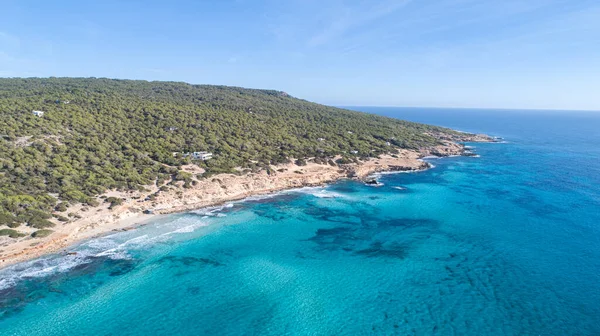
{"points": [[534, 54]]}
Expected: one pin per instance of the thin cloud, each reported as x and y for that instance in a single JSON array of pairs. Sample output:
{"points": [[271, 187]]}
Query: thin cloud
{"points": [[347, 18]]}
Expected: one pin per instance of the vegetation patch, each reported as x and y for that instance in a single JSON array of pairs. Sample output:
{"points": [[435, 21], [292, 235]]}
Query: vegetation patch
{"points": [[41, 233], [11, 233], [114, 201]]}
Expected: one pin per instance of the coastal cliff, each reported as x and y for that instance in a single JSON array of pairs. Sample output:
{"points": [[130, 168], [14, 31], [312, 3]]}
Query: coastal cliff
{"points": [[139, 206]]}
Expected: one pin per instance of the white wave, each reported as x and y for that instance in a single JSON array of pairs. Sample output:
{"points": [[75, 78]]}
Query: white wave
{"points": [[116, 246], [260, 197], [320, 192], [189, 228], [11, 275], [306, 190], [185, 229], [213, 211], [108, 247], [109, 244], [378, 175], [115, 255], [328, 194], [399, 188]]}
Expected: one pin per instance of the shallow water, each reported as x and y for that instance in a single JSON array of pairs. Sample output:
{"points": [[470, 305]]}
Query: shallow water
{"points": [[503, 244]]}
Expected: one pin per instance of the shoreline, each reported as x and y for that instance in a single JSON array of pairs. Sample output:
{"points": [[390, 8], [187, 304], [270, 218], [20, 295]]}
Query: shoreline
{"points": [[217, 190]]}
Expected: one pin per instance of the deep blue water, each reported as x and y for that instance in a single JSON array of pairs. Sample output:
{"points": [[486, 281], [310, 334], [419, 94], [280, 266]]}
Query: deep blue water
{"points": [[504, 244]]}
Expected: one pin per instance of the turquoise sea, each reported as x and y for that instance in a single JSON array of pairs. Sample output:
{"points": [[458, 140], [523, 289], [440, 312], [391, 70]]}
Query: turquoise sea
{"points": [[507, 243]]}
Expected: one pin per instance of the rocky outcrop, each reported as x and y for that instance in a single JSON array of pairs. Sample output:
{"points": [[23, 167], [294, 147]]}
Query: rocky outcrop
{"points": [[448, 148], [233, 187], [228, 187]]}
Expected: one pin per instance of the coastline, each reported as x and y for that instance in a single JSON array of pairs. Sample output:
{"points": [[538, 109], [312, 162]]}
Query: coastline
{"points": [[138, 208]]}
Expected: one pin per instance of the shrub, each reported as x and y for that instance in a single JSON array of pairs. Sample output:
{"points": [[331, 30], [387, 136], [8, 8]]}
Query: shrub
{"points": [[61, 218], [61, 207], [8, 219], [344, 161], [301, 162], [11, 233], [39, 223], [92, 202], [41, 233], [183, 176], [13, 225], [114, 201]]}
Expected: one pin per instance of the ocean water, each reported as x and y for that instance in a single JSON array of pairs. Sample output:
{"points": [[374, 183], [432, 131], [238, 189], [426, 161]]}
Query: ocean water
{"points": [[507, 243]]}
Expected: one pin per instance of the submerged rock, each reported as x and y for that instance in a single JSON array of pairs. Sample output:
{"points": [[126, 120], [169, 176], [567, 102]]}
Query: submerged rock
{"points": [[371, 181]]}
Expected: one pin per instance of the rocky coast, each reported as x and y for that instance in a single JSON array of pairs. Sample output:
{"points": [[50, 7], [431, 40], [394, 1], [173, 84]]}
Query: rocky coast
{"points": [[138, 207]]}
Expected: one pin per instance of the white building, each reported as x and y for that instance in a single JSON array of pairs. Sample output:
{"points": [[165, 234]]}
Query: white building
{"points": [[202, 155], [199, 155], [354, 152], [321, 139], [38, 113], [388, 144]]}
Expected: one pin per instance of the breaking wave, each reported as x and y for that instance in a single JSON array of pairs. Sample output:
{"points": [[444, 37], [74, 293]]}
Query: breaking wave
{"points": [[117, 246]]}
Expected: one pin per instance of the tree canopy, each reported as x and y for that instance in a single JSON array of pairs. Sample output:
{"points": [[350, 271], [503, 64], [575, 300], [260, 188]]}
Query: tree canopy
{"points": [[98, 134]]}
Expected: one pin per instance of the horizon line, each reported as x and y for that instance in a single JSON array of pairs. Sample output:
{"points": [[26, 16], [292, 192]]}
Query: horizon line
{"points": [[469, 108]]}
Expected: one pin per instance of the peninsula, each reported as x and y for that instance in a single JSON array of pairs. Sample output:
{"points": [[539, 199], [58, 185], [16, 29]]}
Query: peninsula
{"points": [[81, 157]]}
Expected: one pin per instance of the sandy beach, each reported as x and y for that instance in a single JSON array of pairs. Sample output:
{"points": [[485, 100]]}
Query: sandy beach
{"points": [[139, 207]]}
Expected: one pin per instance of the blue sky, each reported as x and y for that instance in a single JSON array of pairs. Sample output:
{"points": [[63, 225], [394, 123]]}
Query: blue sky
{"points": [[450, 53]]}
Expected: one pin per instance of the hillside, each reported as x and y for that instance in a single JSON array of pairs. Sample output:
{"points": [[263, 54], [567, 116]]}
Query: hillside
{"points": [[102, 134]]}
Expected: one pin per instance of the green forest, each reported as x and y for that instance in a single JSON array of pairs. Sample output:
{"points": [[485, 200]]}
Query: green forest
{"points": [[99, 134]]}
